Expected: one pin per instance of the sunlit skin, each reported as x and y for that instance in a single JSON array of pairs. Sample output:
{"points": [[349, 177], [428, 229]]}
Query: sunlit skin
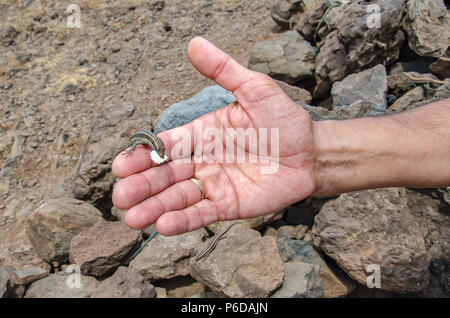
{"points": [[165, 195], [315, 158]]}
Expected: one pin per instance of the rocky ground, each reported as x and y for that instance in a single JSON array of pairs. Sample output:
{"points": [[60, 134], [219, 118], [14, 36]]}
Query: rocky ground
{"points": [[70, 99]]}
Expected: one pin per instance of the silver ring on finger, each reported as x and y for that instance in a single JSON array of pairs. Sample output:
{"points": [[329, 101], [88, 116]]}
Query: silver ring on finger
{"points": [[200, 187]]}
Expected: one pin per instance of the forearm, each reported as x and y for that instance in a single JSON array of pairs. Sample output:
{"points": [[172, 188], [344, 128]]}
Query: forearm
{"points": [[410, 149]]}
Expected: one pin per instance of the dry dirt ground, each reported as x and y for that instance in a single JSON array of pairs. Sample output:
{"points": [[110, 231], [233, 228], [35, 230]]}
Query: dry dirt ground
{"points": [[55, 79]]}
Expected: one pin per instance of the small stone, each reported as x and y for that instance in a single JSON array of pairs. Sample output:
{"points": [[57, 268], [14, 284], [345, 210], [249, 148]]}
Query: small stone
{"points": [[29, 275], [125, 283], [301, 280], [159, 66], [83, 61], [100, 250]]}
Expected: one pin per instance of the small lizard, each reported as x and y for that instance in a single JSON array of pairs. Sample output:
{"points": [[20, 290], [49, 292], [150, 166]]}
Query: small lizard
{"points": [[144, 137], [212, 244]]}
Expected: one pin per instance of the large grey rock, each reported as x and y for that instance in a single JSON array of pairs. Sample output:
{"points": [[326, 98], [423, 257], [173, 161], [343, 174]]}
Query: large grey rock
{"points": [[167, 256], [63, 286], [335, 282], [404, 232], [350, 46], [53, 225], [243, 264], [426, 24], [208, 100], [125, 283], [100, 250], [301, 280], [109, 135], [367, 86], [288, 58]]}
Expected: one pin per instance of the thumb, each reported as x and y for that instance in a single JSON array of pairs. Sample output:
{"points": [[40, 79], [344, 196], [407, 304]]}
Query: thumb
{"points": [[217, 65]]}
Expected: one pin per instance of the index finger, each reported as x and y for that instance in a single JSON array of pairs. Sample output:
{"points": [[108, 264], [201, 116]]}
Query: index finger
{"points": [[125, 165]]}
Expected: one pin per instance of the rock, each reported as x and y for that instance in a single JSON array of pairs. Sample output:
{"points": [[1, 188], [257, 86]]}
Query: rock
{"points": [[404, 102], [125, 283], [109, 135], [182, 287], [399, 84], [367, 86], [208, 100], [160, 292], [63, 286], [167, 256], [301, 280], [425, 23], [349, 46], [9, 286], [9, 165], [288, 58], [100, 250], [402, 231], [295, 93], [228, 274], [282, 12], [53, 225], [335, 283], [253, 223], [313, 10], [29, 275], [355, 110], [441, 67], [289, 232]]}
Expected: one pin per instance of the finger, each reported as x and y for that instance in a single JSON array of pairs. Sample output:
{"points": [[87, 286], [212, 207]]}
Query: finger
{"points": [[178, 196], [126, 164], [194, 217], [138, 187], [217, 65]]}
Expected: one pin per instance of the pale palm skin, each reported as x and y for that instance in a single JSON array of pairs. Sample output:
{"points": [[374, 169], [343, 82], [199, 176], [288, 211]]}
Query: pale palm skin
{"points": [[165, 195]]}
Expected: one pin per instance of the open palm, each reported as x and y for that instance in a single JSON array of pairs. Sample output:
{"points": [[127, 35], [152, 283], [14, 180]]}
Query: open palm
{"points": [[165, 194]]}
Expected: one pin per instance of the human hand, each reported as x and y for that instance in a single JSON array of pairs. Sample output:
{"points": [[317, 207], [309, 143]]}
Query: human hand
{"points": [[165, 194]]}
